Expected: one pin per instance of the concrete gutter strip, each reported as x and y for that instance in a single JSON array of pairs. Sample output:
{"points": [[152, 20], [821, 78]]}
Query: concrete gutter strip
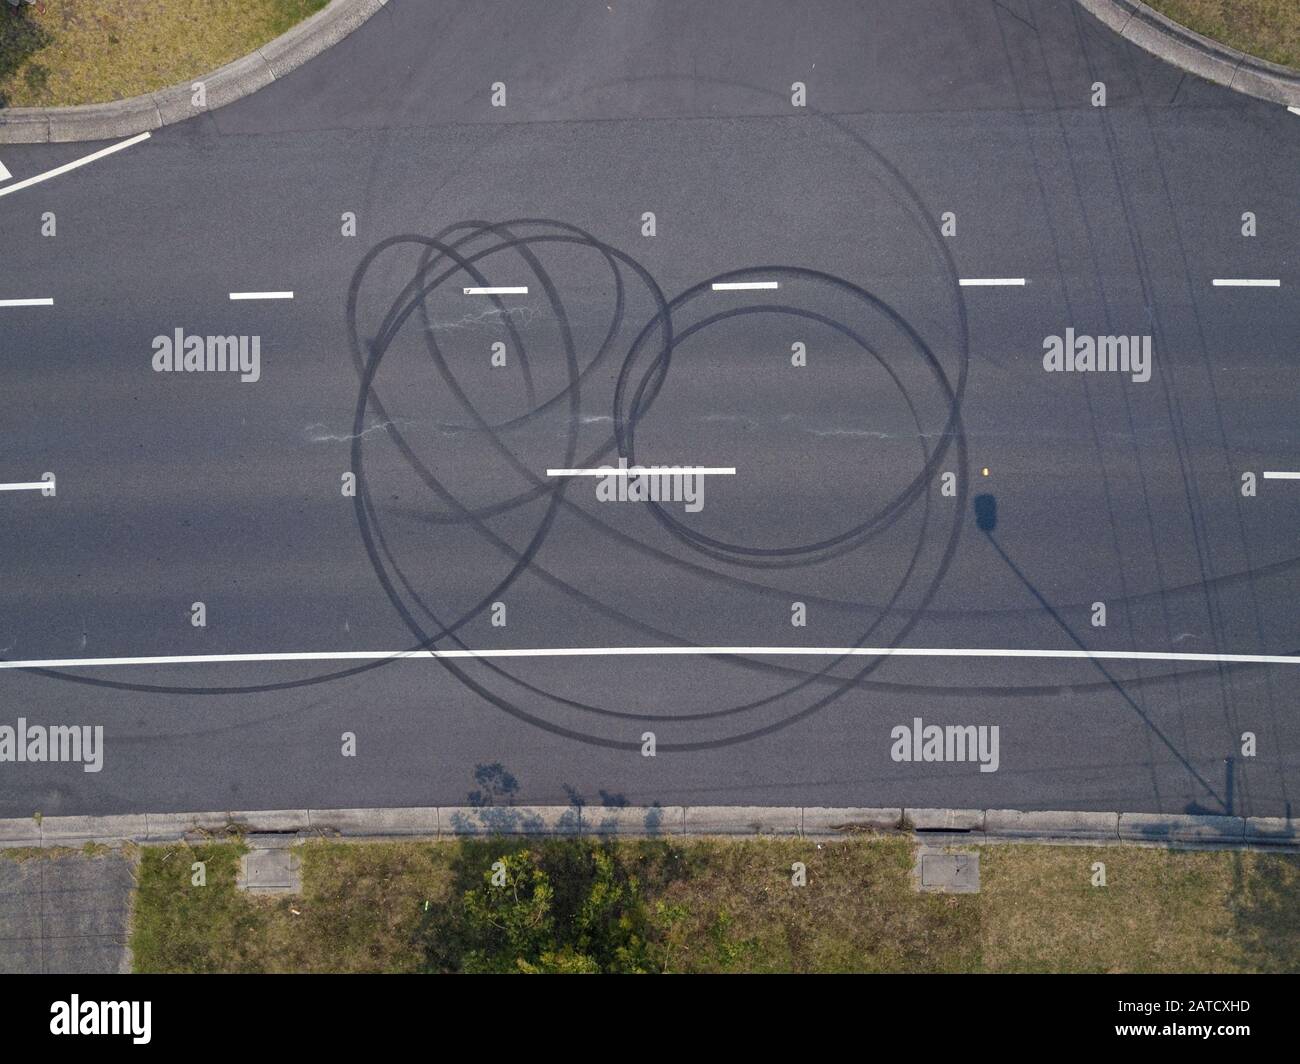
{"points": [[945, 820], [1154, 827], [235, 80], [1195, 54], [957, 825], [1272, 830], [1014, 824], [819, 820]]}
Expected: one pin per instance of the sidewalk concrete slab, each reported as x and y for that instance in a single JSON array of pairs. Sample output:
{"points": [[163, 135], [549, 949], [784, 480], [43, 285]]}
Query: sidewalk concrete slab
{"points": [[65, 913]]}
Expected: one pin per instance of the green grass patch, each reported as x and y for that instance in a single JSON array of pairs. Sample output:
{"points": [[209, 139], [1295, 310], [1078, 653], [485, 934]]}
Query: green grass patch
{"points": [[179, 926], [717, 906], [91, 51], [1269, 29]]}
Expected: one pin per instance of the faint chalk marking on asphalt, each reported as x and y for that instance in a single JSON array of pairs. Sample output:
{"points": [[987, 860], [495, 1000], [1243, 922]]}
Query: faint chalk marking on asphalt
{"points": [[1247, 282], [992, 282], [744, 286], [29, 181], [48, 302], [1280, 474], [261, 295], [636, 471], [515, 290], [663, 651]]}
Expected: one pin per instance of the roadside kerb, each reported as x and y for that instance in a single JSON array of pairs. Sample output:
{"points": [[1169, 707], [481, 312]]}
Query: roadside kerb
{"points": [[933, 825], [1196, 54], [1159, 827], [828, 820], [1272, 831], [742, 820], [1017, 824], [79, 830]]}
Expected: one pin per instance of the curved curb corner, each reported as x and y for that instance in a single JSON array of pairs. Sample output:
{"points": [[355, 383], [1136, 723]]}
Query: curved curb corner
{"points": [[235, 80], [1190, 52]]}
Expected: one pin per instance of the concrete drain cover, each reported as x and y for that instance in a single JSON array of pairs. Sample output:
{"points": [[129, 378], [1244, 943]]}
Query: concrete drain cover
{"points": [[950, 873], [270, 872]]}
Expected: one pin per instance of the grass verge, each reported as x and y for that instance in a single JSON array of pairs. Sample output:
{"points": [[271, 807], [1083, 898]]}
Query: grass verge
{"points": [[718, 906], [1269, 29], [91, 51]]}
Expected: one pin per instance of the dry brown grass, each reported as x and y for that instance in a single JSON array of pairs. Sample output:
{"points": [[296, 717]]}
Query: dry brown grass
{"points": [[729, 906], [1161, 911]]}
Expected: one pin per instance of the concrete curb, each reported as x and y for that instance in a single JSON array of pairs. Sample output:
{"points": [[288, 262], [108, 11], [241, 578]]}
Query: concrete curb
{"points": [[235, 80], [1189, 51], [446, 822]]}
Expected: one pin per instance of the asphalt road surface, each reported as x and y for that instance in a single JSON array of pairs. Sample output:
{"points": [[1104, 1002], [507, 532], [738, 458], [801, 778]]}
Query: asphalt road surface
{"points": [[921, 482]]}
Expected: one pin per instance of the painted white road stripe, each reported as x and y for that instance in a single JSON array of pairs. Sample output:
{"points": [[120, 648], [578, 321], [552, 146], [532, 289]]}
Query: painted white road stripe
{"points": [[38, 486], [666, 651], [991, 282], [261, 295], [29, 181], [517, 290], [744, 286], [26, 302], [636, 471], [1294, 110], [1276, 474], [5, 175], [1246, 282]]}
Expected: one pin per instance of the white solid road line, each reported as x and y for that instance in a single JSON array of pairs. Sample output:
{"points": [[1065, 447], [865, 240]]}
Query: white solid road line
{"points": [[991, 282], [29, 181], [1276, 474], [1294, 110], [636, 471], [744, 286], [38, 486], [1246, 282], [517, 290], [261, 295], [26, 302], [667, 651], [5, 175]]}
